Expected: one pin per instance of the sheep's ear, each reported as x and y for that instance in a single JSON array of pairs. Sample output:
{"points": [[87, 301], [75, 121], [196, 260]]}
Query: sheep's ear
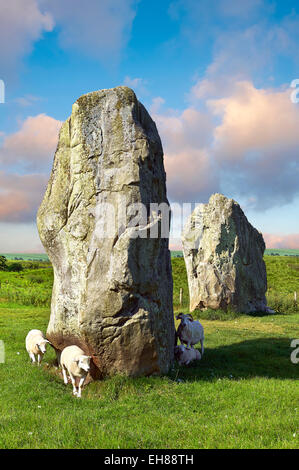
{"points": [[190, 316]]}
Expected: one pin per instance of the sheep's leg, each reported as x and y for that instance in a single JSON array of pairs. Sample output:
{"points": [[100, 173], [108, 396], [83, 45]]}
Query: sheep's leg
{"points": [[80, 386], [64, 375], [202, 348], [39, 359], [32, 357], [74, 384]]}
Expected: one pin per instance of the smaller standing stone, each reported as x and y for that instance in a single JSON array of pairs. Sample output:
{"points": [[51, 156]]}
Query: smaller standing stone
{"points": [[224, 258]]}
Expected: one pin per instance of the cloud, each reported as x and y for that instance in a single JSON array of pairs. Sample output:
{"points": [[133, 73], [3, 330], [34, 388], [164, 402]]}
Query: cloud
{"points": [[244, 145], [99, 29], [282, 241], [19, 27], [20, 196], [27, 100], [256, 143], [240, 40], [27, 156], [32, 147], [189, 167], [137, 84]]}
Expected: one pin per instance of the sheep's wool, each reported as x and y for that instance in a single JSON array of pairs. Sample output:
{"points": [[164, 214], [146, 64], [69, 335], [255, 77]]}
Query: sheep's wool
{"points": [[112, 294], [224, 258]]}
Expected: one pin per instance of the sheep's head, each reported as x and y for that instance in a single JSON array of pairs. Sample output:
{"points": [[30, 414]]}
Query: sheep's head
{"points": [[42, 345], [84, 362], [184, 318]]}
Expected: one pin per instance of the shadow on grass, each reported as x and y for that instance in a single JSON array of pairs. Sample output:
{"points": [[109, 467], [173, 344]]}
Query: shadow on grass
{"points": [[263, 357]]}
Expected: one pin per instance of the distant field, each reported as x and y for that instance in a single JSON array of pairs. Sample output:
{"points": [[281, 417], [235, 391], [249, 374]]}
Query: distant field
{"points": [[282, 252], [174, 254], [26, 256]]}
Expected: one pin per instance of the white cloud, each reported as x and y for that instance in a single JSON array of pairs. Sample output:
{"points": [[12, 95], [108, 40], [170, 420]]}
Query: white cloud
{"points": [[99, 29], [27, 100], [20, 26], [137, 84]]}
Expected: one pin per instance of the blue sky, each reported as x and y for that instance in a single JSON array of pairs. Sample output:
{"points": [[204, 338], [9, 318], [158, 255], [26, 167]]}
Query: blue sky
{"points": [[215, 75]]}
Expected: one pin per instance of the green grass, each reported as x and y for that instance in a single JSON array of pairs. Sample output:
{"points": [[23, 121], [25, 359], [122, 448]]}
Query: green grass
{"points": [[242, 394], [28, 287]]}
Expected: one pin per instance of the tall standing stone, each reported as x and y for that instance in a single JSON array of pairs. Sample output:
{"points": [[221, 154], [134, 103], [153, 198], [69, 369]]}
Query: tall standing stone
{"points": [[224, 258], [112, 292]]}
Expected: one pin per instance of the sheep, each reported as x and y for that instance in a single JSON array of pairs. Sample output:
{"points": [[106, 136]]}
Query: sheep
{"points": [[184, 355], [77, 364], [189, 331], [36, 345]]}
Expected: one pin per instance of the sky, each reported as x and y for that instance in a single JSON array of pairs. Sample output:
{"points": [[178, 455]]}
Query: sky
{"points": [[219, 77]]}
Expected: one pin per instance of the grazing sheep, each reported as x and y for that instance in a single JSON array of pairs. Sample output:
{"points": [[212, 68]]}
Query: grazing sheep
{"points": [[36, 345], [184, 355], [77, 364], [190, 332]]}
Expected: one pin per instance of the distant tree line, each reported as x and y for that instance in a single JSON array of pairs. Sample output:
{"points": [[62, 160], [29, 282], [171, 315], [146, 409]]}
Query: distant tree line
{"points": [[15, 267]]}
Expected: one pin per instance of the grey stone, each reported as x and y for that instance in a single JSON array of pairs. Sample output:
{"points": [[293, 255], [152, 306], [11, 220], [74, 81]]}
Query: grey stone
{"points": [[112, 295], [224, 258]]}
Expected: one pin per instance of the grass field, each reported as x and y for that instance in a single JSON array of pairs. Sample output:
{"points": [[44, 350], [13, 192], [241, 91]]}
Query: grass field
{"points": [[243, 394]]}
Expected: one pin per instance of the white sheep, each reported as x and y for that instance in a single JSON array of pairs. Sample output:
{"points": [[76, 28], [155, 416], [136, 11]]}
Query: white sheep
{"points": [[77, 364], [36, 345], [190, 332], [184, 355]]}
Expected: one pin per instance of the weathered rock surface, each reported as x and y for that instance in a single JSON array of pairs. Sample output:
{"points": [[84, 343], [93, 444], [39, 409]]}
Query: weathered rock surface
{"points": [[224, 258], [112, 295]]}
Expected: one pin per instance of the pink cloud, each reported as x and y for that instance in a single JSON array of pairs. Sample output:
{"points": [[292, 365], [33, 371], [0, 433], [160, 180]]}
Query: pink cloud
{"points": [[20, 196], [254, 119], [282, 241], [33, 146], [186, 137], [245, 144]]}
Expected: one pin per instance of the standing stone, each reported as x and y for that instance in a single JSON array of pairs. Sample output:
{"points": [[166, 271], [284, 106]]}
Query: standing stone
{"points": [[112, 292], [224, 258]]}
